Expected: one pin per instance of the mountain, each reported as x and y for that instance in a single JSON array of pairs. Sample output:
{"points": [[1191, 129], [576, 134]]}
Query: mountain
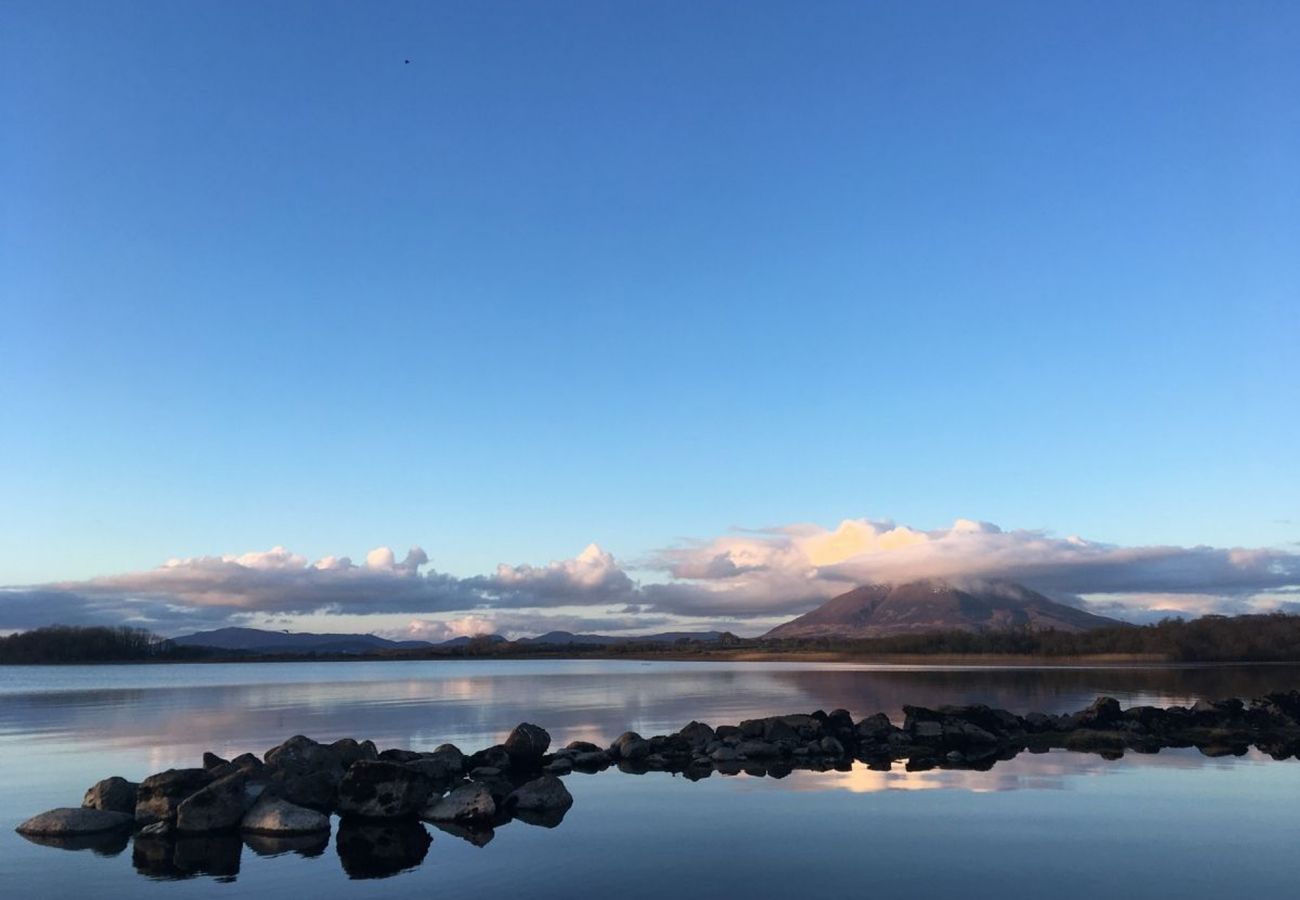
{"points": [[880, 610], [255, 640]]}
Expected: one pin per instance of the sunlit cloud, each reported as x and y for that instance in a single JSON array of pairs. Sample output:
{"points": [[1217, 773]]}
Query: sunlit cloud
{"points": [[742, 581]]}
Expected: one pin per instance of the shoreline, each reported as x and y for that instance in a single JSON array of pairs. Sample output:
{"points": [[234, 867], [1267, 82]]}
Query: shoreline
{"points": [[901, 660]]}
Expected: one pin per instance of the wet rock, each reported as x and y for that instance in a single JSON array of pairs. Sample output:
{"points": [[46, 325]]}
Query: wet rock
{"points": [[382, 790], [547, 792], [559, 767], [494, 757], [220, 805], [302, 754], [440, 767], [159, 795], [583, 747], [314, 790], [113, 794], [69, 821], [469, 802], [757, 750], [874, 728], [527, 744], [212, 761], [398, 755], [274, 816], [349, 751], [1100, 713], [370, 849], [697, 735], [244, 762], [592, 761], [629, 746]]}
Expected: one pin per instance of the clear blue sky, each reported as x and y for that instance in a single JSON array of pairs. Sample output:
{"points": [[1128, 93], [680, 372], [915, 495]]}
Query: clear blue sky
{"points": [[628, 272]]}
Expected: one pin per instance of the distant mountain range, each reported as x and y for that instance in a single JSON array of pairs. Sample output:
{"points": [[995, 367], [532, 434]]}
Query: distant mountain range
{"points": [[256, 640], [882, 610], [876, 610]]}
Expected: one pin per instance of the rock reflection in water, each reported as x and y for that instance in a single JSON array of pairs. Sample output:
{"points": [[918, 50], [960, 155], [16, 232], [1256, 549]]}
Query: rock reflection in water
{"points": [[372, 849], [173, 857], [304, 845]]}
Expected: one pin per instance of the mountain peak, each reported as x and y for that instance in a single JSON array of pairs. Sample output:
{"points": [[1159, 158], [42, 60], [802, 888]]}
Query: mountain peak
{"points": [[933, 604]]}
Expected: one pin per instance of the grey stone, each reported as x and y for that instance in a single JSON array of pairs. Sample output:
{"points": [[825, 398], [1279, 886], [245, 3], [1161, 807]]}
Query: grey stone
{"points": [[218, 806], [271, 815], [527, 744], [545, 793], [159, 795], [68, 821], [382, 790], [114, 794], [469, 802]]}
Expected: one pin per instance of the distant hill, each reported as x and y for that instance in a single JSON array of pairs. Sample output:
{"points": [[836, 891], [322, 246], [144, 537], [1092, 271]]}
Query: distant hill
{"points": [[597, 640], [882, 610], [255, 640]]}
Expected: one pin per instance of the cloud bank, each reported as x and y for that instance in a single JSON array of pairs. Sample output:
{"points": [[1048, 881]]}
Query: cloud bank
{"points": [[743, 581]]}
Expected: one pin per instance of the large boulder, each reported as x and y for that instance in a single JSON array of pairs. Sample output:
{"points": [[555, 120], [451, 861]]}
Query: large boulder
{"points": [[350, 750], [217, 807], [302, 754], [697, 735], [470, 802], [382, 790], [272, 815], [545, 793], [442, 766], [244, 762], [1101, 713], [527, 744], [114, 794], [69, 821], [629, 746], [159, 795], [314, 790]]}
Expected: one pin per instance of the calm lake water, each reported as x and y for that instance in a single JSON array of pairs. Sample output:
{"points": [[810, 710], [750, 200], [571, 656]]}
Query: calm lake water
{"points": [[1060, 824]]}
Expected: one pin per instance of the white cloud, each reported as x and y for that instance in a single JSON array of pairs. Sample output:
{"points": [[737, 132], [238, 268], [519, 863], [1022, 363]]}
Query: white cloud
{"points": [[735, 580]]}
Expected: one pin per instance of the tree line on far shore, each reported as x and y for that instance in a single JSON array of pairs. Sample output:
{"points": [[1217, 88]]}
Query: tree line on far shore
{"points": [[78, 644], [1272, 637]]}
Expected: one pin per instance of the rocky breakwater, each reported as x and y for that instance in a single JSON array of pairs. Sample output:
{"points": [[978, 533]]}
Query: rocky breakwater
{"points": [[187, 821]]}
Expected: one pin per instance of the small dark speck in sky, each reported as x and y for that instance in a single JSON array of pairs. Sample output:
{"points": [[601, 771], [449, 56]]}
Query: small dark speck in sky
{"points": [[406, 62]]}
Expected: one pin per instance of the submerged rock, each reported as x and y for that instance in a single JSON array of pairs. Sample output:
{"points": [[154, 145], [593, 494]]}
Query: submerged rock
{"points": [[68, 821]]}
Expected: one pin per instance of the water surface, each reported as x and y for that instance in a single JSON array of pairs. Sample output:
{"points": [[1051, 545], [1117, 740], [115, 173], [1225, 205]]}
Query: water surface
{"points": [[1068, 824]]}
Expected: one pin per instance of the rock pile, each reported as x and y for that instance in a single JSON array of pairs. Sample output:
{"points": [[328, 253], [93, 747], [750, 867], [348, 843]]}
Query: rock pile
{"points": [[285, 798]]}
